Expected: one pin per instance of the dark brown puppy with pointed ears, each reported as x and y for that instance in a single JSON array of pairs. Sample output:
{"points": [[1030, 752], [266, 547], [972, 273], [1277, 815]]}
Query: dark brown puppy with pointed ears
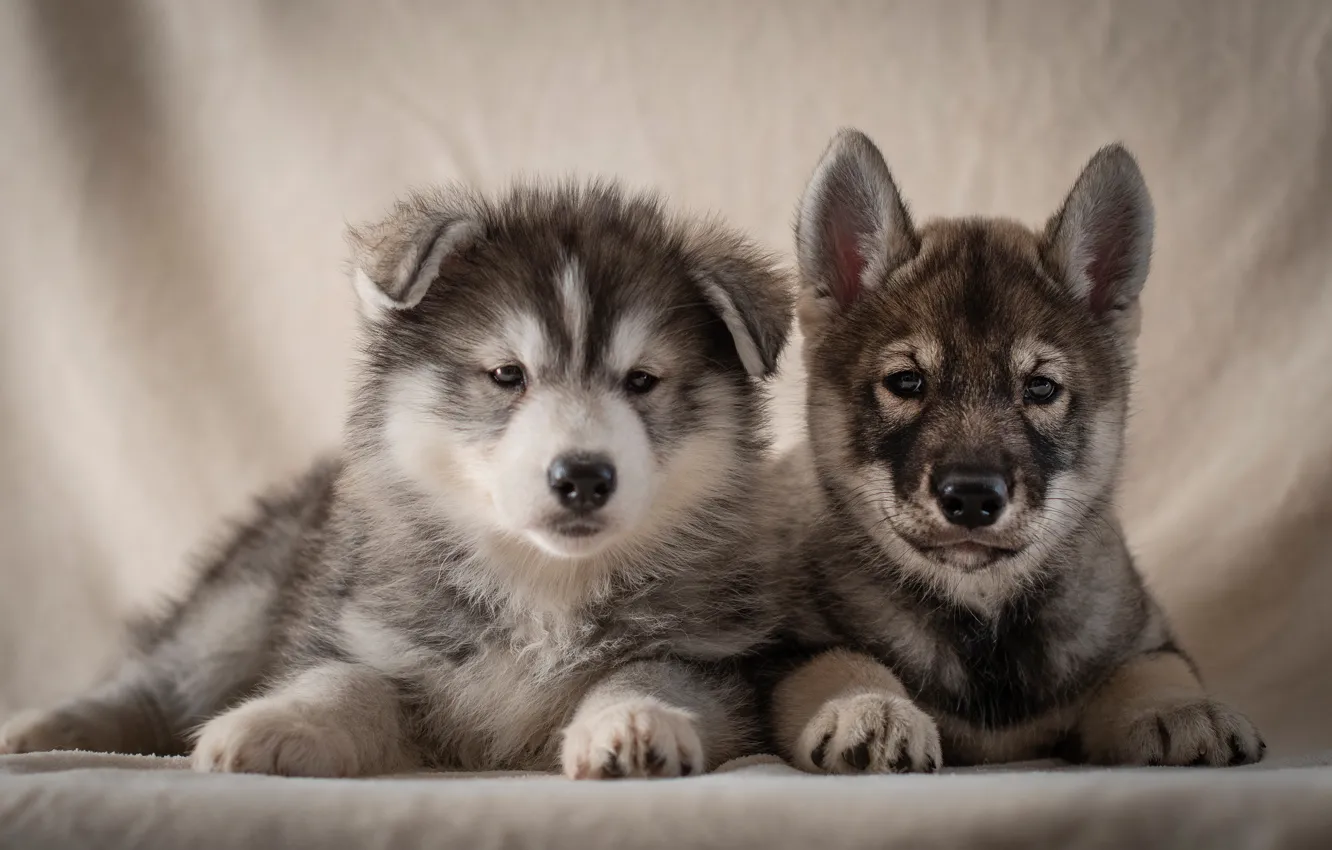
{"points": [[968, 381]]}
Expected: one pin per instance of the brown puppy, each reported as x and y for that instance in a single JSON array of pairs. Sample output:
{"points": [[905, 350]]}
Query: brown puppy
{"points": [[968, 382]]}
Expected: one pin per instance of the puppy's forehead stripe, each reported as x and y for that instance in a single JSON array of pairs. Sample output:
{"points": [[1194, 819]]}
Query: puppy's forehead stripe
{"points": [[576, 308], [617, 347]]}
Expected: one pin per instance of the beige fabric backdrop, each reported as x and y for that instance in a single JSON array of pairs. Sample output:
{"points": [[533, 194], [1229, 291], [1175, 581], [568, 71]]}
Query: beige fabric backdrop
{"points": [[175, 325]]}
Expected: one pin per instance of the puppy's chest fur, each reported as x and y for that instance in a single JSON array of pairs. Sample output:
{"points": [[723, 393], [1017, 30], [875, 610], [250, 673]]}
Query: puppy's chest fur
{"points": [[483, 689], [489, 684], [1002, 682]]}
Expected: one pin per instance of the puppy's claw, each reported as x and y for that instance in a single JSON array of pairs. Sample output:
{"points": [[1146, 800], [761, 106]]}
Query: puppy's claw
{"points": [[877, 732]]}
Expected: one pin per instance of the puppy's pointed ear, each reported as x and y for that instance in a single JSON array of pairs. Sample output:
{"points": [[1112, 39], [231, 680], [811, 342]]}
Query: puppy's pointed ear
{"points": [[397, 258], [1099, 244], [748, 290], [852, 228]]}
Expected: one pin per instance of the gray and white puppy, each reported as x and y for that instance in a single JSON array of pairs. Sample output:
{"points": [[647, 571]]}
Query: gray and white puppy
{"points": [[968, 385], [536, 547]]}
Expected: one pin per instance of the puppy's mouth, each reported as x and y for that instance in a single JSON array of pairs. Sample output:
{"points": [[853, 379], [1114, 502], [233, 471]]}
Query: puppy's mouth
{"points": [[968, 554], [577, 530], [573, 537]]}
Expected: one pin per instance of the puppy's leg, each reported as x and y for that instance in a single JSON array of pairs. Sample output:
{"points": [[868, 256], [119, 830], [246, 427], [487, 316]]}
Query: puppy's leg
{"points": [[128, 714], [844, 712], [1153, 710], [334, 719], [204, 655], [195, 657], [657, 718]]}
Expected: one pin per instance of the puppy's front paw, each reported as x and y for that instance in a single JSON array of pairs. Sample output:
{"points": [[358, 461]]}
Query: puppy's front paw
{"points": [[39, 731], [636, 738], [873, 732], [259, 737], [1195, 731]]}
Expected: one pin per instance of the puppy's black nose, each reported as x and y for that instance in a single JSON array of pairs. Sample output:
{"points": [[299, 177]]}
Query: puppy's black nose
{"points": [[971, 498], [581, 483]]}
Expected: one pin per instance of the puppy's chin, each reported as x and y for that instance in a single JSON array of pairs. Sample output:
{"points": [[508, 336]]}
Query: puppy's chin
{"points": [[573, 540]]}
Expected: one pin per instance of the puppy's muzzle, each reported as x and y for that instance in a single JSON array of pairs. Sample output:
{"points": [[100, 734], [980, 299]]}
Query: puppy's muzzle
{"points": [[582, 483]]}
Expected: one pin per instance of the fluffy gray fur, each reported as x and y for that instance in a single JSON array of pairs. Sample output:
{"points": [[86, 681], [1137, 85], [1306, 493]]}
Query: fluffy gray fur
{"points": [[424, 598]]}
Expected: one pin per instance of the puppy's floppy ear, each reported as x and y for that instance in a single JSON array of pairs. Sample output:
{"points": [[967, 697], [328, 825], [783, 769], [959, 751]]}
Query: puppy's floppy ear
{"points": [[748, 290], [852, 228], [397, 258], [1099, 244]]}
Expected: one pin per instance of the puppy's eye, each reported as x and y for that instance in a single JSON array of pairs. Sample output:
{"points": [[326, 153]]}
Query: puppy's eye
{"points": [[639, 382], [905, 384], [1040, 390], [509, 376]]}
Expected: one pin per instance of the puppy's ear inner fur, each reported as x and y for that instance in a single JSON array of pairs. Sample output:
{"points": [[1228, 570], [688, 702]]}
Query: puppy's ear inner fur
{"points": [[750, 294], [1099, 244], [853, 228], [397, 258]]}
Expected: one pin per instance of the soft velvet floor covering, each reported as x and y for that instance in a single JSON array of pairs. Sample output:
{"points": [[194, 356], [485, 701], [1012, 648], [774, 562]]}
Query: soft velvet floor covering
{"points": [[93, 800]]}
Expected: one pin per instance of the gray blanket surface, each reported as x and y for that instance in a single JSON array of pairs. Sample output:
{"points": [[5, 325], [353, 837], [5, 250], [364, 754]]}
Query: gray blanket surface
{"points": [[67, 800]]}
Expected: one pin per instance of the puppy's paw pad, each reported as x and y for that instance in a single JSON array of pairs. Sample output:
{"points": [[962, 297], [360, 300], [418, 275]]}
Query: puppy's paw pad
{"points": [[40, 731], [637, 738], [870, 733], [259, 738], [1194, 732]]}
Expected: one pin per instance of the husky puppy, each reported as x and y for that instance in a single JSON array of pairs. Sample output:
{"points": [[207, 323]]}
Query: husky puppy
{"points": [[968, 382], [535, 550]]}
